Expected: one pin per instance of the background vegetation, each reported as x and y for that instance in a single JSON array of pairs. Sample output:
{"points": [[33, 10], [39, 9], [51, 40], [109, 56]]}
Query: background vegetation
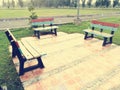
{"points": [[61, 3]]}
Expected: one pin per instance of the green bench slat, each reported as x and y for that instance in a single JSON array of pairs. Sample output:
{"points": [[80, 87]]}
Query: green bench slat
{"points": [[104, 27], [41, 23], [98, 33]]}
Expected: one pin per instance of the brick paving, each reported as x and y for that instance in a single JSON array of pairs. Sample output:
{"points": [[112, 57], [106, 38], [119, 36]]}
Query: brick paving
{"points": [[73, 63]]}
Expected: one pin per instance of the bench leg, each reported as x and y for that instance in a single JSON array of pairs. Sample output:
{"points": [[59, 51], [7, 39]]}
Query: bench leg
{"points": [[38, 34], [34, 33], [86, 35], [51, 31], [105, 41], [40, 63], [111, 40], [92, 35], [55, 31], [21, 68]]}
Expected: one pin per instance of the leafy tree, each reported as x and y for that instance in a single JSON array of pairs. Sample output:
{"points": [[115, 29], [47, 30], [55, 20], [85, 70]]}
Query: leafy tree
{"points": [[83, 3], [8, 4], [89, 3], [102, 3], [20, 2], [115, 3], [32, 2], [13, 3], [107, 3], [3, 3], [33, 13], [73, 3]]}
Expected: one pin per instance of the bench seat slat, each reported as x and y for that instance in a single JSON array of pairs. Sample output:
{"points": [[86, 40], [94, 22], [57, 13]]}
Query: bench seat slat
{"points": [[98, 33], [30, 49], [36, 47], [25, 52], [45, 28]]}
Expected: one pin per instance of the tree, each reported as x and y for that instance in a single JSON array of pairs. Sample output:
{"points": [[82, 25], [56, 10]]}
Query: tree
{"points": [[73, 3], [20, 2], [32, 2], [83, 3], [8, 4], [3, 3], [89, 3], [107, 3], [115, 3], [67, 2], [13, 3], [33, 13]]}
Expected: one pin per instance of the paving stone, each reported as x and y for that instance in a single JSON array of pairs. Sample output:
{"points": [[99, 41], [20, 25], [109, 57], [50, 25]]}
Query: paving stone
{"points": [[73, 63]]}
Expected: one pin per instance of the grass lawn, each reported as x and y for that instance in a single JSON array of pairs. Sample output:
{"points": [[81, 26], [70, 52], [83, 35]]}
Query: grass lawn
{"points": [[11, 13], [8, 73], [71, 28]]}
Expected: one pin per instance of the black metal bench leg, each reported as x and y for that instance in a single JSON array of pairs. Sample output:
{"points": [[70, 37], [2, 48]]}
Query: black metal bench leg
{"points": [[21, 68], [105, 41], [92, 35], [86, 35], [38, 34], [55, 31], [111, 39], [51, 31], [34, 33], [40, 63]]}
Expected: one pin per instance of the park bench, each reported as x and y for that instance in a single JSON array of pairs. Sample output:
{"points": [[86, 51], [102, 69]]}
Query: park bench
{"points": [[102, 29], [25, 52], [43, 24]]}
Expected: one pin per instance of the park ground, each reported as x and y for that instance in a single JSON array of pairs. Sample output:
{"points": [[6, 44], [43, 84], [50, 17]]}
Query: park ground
{"points": [[103, 62]]}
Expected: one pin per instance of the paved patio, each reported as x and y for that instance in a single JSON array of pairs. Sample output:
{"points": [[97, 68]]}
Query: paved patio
{"points": [[73, 63]]}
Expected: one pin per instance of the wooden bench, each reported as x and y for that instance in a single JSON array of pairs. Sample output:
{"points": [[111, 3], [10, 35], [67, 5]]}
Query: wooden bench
{"points": [[103, 29], [42, 24], [24, 51]]}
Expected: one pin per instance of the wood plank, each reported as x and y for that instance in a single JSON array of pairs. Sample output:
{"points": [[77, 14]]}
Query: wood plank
{"points": [[45, 28], [98, 33], [25, 52], [30, 49], [11, 35], [35, 47]]}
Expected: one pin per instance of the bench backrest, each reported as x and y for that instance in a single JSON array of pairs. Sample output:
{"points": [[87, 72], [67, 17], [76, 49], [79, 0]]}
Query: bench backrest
{"points": [[15, 46], [10, 36], [104, 26], [42, 22]]}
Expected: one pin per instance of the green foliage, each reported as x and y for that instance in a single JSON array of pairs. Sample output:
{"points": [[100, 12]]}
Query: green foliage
{"points": [[33, 13]]}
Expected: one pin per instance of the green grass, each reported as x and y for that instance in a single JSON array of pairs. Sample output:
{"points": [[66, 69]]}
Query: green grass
{"points": [[11, 13], [71, 28], [8, 73]]}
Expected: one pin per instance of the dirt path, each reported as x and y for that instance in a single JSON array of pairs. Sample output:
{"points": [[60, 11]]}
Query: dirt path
{"points": [[24, 22]]}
